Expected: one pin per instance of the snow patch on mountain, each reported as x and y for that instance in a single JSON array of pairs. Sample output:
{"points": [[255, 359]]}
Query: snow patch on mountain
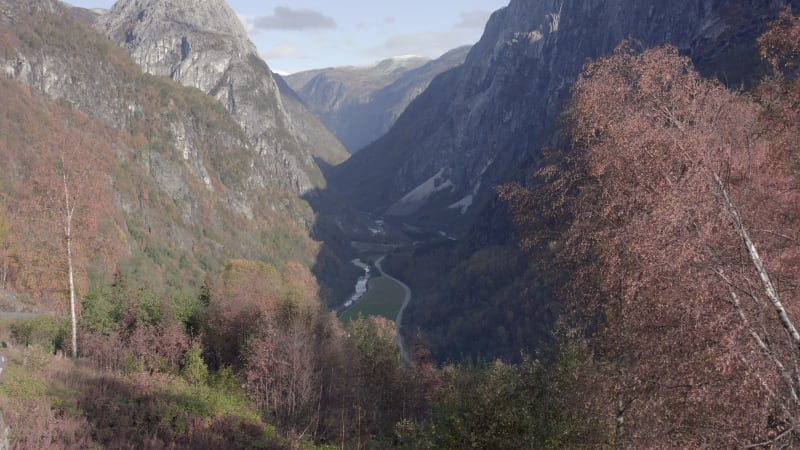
{"points": [[420, 194]]}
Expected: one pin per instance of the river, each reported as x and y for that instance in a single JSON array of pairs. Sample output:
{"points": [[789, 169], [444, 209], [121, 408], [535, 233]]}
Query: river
{"points": [[361, 289], [361, 284]]}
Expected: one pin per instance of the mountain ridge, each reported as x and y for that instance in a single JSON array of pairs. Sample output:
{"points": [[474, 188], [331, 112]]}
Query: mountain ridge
{"points": [[360, 103], [482, 119], [203, 44], [183, 201]]}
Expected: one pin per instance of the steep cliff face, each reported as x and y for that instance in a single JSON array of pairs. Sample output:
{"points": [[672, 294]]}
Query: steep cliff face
{"points": [[480, 295], [327, 147], [202, 44], [475, 123], [359, 104]]}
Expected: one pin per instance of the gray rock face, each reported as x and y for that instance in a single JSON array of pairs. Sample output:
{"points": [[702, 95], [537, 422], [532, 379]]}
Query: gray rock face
{"points": [[359, 104], [311, 130], [202, 44], [479, 121], [177, 146]]}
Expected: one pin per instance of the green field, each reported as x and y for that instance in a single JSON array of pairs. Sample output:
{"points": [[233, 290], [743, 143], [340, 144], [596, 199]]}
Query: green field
{"points": [[384, 298]]}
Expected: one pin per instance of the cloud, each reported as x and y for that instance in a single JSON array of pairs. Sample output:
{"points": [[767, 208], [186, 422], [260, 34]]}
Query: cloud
{"points": [[284, 18], [286, 51], [431, 43], [473, 19]]}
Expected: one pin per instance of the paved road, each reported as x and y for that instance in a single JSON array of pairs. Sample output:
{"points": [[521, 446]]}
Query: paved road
{"points": [[399, 320]]}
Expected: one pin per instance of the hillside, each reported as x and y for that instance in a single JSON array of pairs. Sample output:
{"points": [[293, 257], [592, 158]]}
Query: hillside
{"points": [[503, 108], [506, 99], [182, 200]]}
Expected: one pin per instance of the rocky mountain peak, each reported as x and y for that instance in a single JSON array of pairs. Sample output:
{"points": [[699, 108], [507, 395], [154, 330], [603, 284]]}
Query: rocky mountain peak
{"points": [[204, 16], [405, 62], [203, 44], [10, 8], [173, 37]]}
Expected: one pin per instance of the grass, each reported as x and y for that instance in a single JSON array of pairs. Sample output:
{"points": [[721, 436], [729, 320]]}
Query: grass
{"points": [[55, 402], [384, 298]]}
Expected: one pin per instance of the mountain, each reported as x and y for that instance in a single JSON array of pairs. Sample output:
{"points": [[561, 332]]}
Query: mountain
{"points": [[359, 104], [485, 123], [203, 44], [329, 150], [475, 123], [188, 188]]}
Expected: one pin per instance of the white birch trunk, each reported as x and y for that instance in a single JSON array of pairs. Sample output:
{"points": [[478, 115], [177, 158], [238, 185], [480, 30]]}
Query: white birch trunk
{"points": [[73, 317], [755, 258], [69, 210]]}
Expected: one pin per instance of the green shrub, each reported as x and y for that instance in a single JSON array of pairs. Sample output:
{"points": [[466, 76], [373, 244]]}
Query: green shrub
{"points": [[102, 312], [194, 370], [51, 333]]}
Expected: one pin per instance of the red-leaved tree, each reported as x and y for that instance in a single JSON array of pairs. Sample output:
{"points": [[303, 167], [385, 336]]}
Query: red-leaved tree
{"points": [[69, 189], [685, 217], [683, 205]]}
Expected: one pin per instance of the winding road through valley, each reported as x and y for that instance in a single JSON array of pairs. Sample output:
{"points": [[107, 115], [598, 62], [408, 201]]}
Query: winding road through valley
{"points": [[399, 319]]}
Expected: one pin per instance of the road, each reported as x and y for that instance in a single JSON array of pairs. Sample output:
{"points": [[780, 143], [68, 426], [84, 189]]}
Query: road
{"points": [[399, 320]]}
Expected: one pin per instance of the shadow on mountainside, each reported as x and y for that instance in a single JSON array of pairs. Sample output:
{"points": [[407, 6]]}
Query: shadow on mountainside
{"points": [[475, 296]]}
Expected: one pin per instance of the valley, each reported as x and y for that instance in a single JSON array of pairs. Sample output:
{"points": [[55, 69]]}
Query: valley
{"points": [[578, 231]]}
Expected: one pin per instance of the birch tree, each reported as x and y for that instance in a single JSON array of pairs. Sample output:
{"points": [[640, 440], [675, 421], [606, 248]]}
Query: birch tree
{"points": [[688, 209], [71, 190], [683, 204]]}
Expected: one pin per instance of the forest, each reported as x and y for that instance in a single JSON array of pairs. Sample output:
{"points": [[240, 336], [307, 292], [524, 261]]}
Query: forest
{"points": [[680, 198], [665, 229]]}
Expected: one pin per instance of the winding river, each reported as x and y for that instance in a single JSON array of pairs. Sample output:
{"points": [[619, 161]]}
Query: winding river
{"points": [[361, 289], [361, 284]]}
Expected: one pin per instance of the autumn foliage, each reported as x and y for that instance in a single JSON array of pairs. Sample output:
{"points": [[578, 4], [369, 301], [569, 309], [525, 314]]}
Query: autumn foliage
{"points": [[681, 198], [58, 144]]}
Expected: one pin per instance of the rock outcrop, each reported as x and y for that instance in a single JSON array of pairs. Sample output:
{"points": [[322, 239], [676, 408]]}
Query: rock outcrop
{"points": [[360, 104], [202, 44], [481, 120]]}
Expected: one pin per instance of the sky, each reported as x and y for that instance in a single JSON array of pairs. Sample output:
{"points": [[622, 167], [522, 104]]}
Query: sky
{"points": [[309, 34]]}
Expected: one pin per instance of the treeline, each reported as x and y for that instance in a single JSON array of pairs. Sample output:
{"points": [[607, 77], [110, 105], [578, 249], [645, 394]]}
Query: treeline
{"points": [[170, 372], [675, 215], [495, 304]]}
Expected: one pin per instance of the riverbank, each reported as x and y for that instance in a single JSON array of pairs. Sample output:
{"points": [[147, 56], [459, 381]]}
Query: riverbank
{"points": [[398, 321], [385, 296]]}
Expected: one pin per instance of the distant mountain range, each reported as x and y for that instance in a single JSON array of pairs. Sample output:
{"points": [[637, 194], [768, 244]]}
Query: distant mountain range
{"points": [[360, 103], [485, 118]]}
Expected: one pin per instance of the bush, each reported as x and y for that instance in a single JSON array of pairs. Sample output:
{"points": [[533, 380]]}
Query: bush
{"points": [[51, 333], [194, 370]]}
